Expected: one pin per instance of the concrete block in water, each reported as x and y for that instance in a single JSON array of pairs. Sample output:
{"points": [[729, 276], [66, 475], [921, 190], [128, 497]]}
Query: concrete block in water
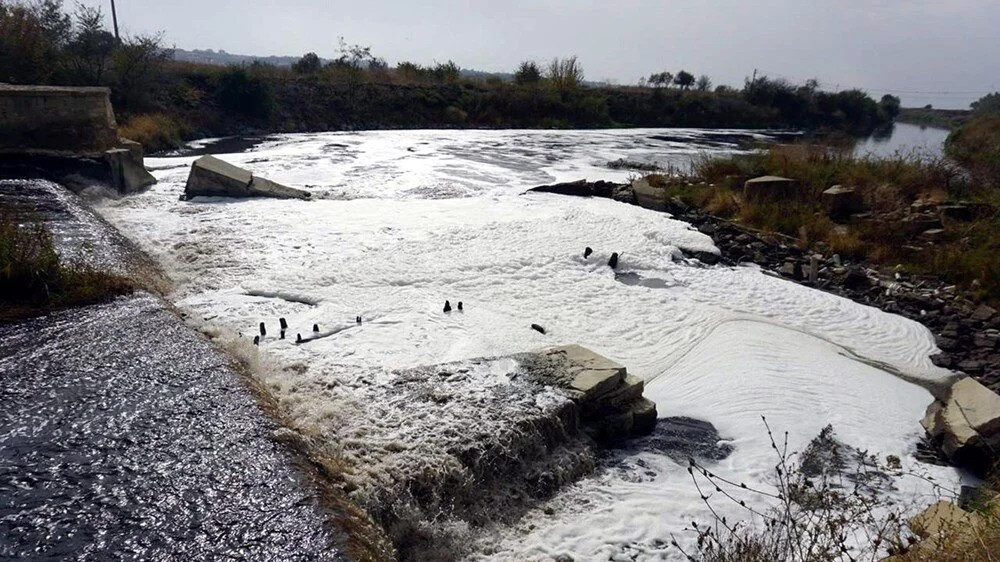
{"points": [[213, 177], [590, 374]]}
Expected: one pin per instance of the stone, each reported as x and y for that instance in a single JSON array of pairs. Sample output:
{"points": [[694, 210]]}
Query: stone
{"points": [[211, 176], [841, 201], [643, 416], [591, 375], [945, 521], [956, 212], [933, 235], [792, 270], [966, 425], [649, 196], [915, 224], [982, 313], [708, 258], [769, 189]]}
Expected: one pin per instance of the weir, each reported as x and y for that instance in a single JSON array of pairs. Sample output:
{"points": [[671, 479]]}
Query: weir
{"points": [[68, 135]]}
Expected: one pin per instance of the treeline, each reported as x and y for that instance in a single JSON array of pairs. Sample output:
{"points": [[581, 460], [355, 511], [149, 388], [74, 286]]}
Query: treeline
{"points": [[162, 101]]}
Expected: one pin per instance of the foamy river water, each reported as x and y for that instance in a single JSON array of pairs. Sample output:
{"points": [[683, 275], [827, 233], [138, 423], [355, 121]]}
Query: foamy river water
{"points": [[400, 221]]}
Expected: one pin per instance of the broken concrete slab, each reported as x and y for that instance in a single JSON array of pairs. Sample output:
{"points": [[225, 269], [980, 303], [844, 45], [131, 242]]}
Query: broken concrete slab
{"points": [[213, 177], [590, 374], [841, 201], [966, 425], [128, 174], [769, 189]]}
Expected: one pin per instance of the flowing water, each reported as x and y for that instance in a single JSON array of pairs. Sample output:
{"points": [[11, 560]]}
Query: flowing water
{"points": [[400, 221], [125, 436]]}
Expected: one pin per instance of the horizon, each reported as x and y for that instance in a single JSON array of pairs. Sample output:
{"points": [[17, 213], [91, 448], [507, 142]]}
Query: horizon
{"points": [[926, 52]]}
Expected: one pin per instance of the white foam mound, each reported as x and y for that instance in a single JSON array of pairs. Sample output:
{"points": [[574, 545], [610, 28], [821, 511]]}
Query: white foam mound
{"points": [[413, 218]]}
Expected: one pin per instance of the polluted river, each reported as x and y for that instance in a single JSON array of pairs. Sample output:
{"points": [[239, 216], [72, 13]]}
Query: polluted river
{"points": [[167, 451]]}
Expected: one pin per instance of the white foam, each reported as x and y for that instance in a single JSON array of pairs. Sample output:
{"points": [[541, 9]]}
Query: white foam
{"points": [[407, 219]]}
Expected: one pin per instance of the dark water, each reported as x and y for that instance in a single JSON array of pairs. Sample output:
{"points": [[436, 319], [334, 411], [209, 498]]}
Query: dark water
{"points": [[125, 436], [904, 139]]}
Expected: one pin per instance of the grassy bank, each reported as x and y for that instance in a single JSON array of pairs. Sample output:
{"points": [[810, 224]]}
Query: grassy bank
{"points": [[941, 118], [33, 278], [899, 197]]}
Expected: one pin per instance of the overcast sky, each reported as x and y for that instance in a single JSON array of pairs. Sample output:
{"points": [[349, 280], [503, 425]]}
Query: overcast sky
{"points": [[944, 52]]}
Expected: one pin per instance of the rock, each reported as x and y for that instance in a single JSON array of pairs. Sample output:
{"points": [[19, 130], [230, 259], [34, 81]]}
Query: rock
{"points": [[985, 340], [708, 258], [967, 425], [955, 212], [946, 343], [933, 235], [584, 188], [944, 523], [915, 224], [592, 375], [943, 360], [856, 279], [649, 196], [792, 270], [970, 366], [769, 189], [841, 201], [211, 176], [982, 313], [643, 416]]}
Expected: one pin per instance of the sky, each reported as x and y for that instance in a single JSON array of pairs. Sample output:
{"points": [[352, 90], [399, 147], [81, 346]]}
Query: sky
{"points": [[940, 52]]}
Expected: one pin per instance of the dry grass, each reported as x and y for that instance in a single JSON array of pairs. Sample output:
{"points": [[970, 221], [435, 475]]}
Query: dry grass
{"points": [[888, 186], [154, 131]]}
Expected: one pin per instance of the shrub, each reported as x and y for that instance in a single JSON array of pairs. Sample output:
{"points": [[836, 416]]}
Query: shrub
{"points": [[154, 131], [33, 278], [976, 145]]}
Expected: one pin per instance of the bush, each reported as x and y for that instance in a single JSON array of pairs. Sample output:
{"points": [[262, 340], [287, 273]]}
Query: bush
{"points": [[155, 131], [976, 145], [33, 279]]}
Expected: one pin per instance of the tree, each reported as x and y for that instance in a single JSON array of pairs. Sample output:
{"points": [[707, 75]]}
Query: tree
{"points": [[684, 79], [990, 103], [446, 72], [90, 48], [890, 106], [527, 73], [136, 68], [660, 79], [565, 74], [308, 64], [704, 83]]}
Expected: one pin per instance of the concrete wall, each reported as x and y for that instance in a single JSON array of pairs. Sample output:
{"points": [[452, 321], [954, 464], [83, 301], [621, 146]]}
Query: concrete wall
{"points": [[56, 118]]}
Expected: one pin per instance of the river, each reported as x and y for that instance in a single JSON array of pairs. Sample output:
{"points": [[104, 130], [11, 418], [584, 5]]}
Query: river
{"points": [[904, 139], [400, 221]]}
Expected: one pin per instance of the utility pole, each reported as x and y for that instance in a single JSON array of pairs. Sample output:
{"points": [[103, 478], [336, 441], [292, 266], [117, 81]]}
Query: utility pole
{"points": [[114, 18], [752, 80]]}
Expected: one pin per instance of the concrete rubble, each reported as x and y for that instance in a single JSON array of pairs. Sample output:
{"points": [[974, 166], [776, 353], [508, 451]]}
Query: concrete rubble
{"points": [[213, 177], [769, 189], [965, 424], [610, 400]]}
